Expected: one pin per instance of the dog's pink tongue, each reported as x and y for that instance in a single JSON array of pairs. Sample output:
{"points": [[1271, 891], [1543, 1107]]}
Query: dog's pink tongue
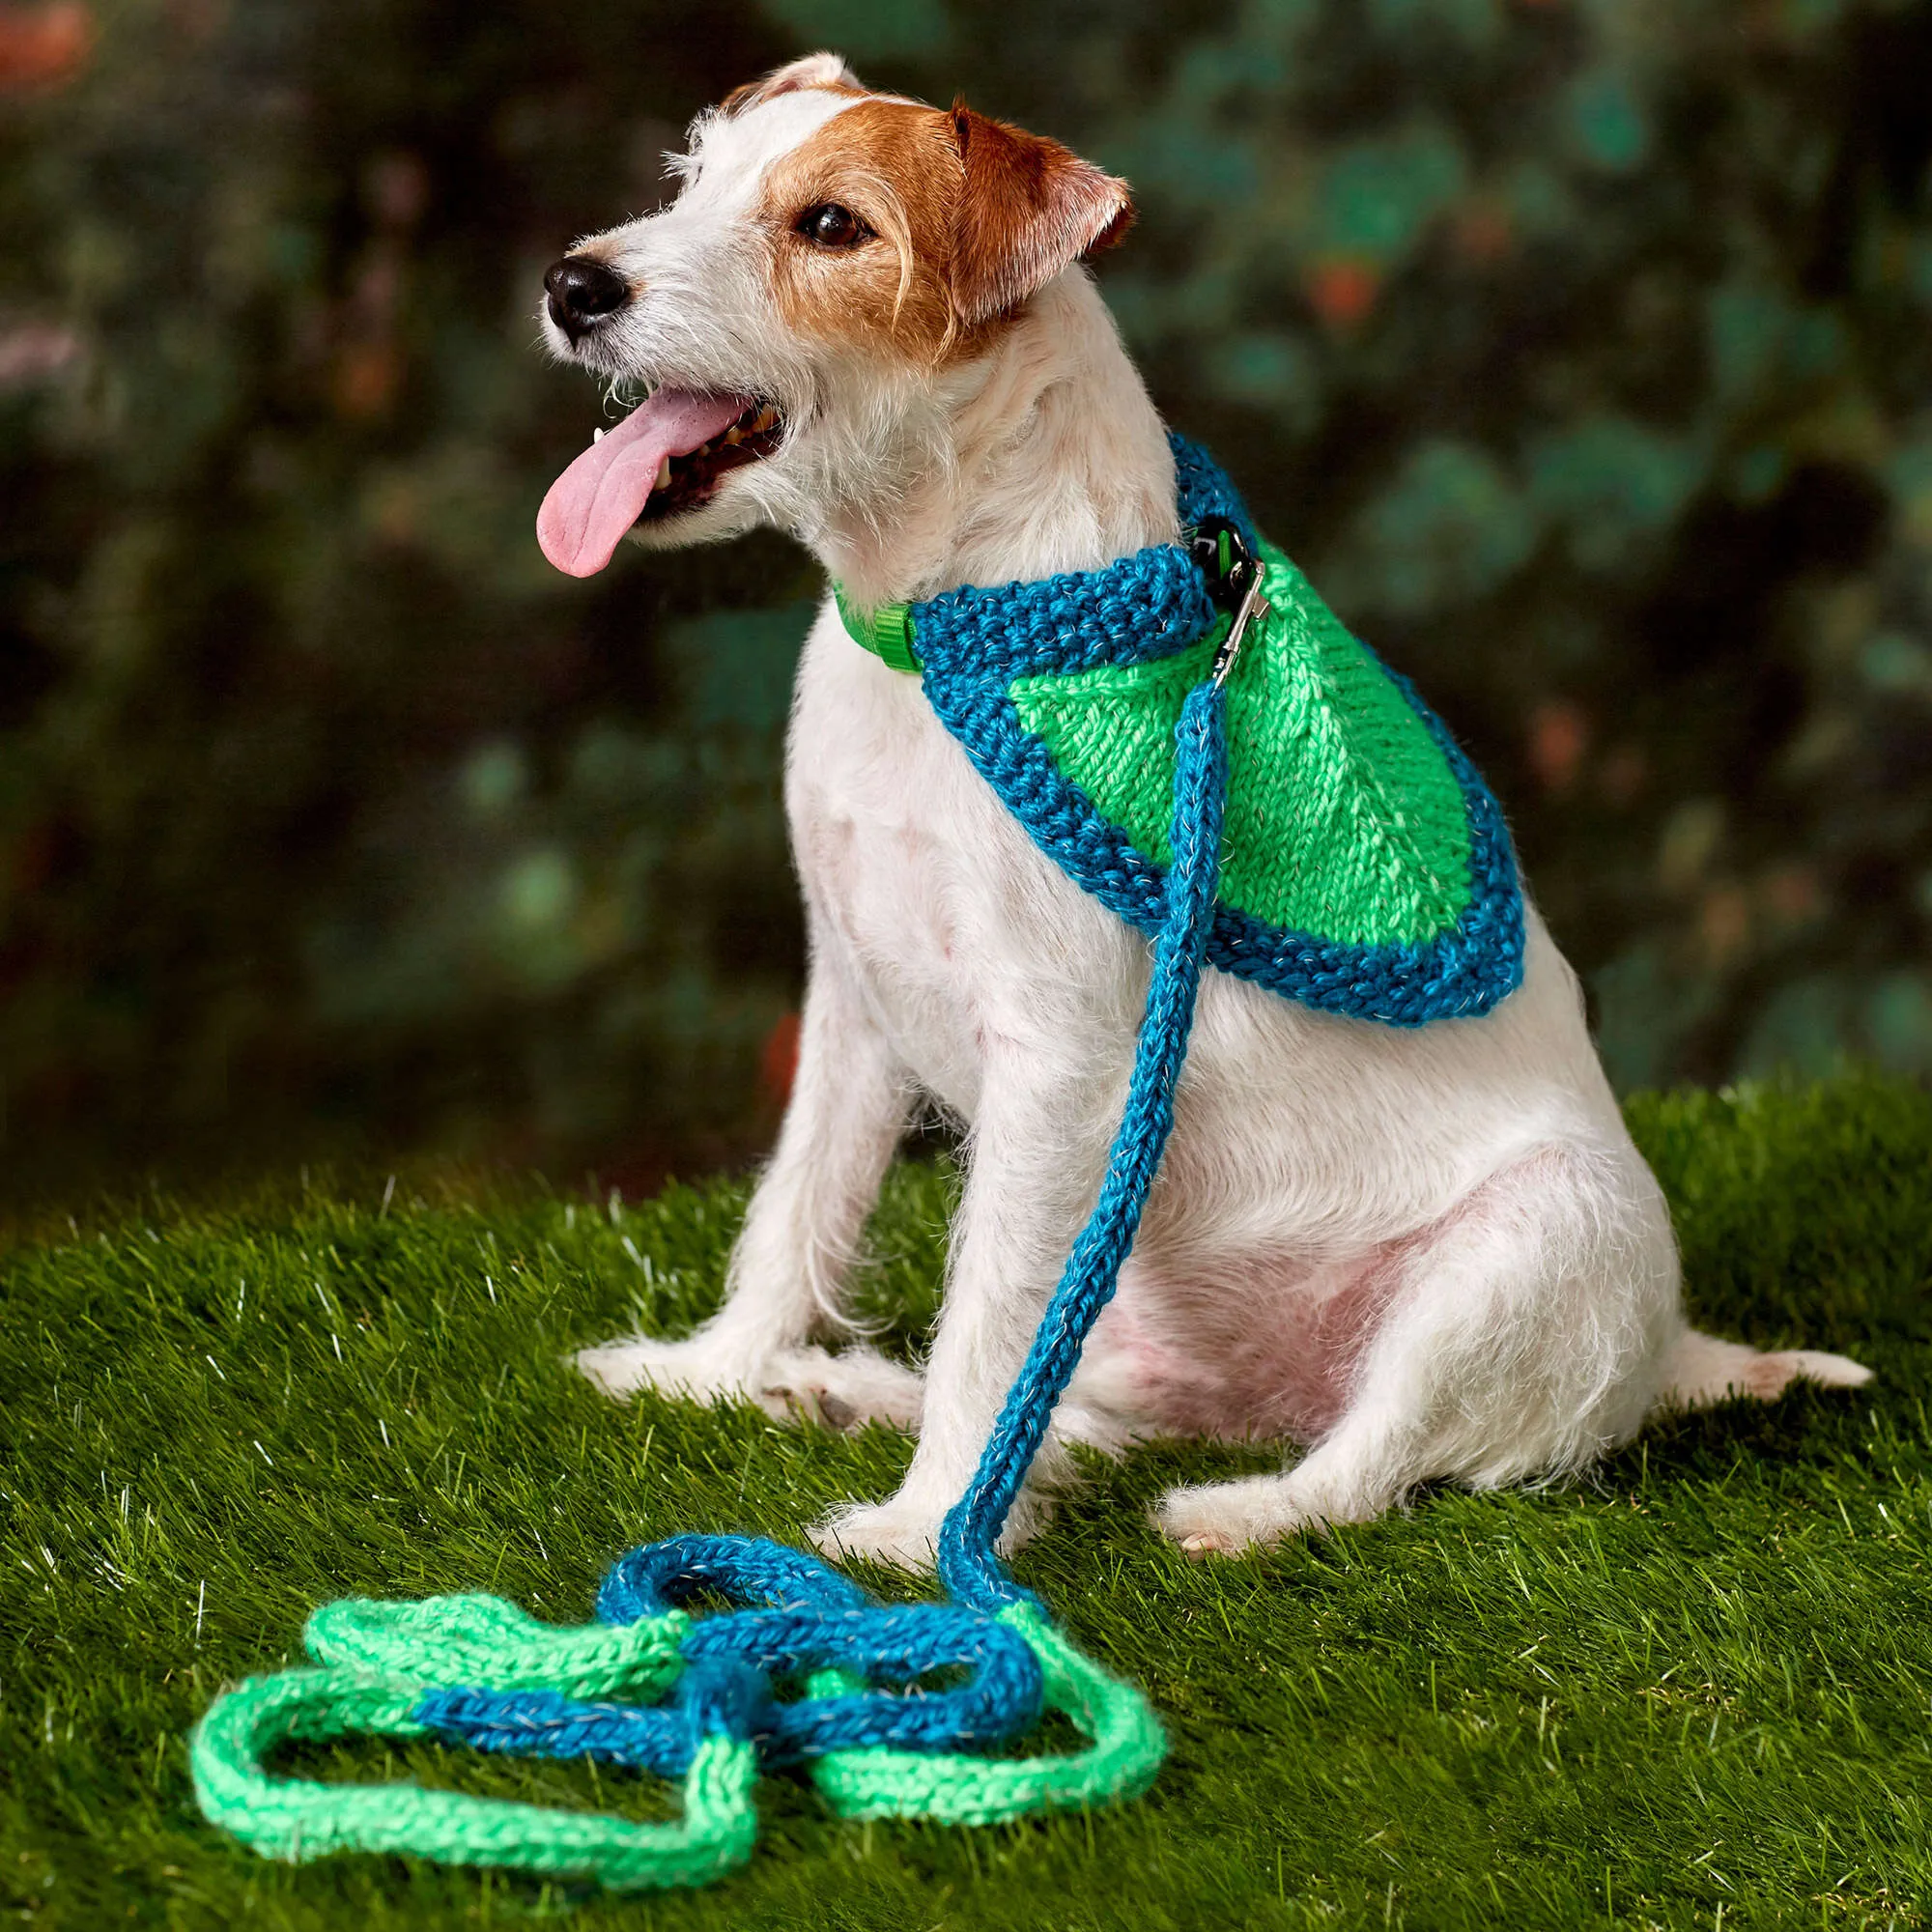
{"points": [[590, 506]]}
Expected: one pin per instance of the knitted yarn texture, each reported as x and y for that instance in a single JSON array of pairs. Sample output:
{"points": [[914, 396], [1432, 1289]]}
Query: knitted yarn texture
{"points": [[678, 1696]]}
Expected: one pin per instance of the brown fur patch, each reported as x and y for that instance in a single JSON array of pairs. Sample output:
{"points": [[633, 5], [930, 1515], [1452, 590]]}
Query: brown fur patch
{"points": [[970, 217], [1767, 1376], [893, 165], [1029, 207]]}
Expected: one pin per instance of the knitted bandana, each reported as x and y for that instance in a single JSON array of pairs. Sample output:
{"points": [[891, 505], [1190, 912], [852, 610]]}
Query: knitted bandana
{"points": [[1365, 866]]}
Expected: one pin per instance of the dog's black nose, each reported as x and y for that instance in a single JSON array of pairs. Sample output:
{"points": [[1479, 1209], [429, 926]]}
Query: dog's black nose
{"points": [[581, 289]]}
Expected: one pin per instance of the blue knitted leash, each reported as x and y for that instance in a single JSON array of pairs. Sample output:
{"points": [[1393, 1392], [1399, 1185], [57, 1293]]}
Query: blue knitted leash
{"points": [[816, 1620], [657, 1688], [968, 1566]]}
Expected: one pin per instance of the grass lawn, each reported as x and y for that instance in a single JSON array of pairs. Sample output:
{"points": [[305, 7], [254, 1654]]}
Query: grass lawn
{"points": [[1695, 1691]]}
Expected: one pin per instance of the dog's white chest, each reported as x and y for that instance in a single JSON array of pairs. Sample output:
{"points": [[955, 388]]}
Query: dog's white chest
{"points": [[941, 906]]}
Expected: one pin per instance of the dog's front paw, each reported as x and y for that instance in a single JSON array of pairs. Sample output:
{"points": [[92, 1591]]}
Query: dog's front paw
{"points": [[894, 1532], [905, 1531], [844, 1391], [685, 1367], [1232, 1519]]}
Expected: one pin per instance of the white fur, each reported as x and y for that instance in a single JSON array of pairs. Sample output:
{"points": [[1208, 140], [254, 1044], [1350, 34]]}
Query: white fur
{"points": [[1470, 1188]]}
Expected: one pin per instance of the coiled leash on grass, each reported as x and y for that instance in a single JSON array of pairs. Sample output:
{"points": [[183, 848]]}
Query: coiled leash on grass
{"points": [[655, 1688], [1069, 695]]}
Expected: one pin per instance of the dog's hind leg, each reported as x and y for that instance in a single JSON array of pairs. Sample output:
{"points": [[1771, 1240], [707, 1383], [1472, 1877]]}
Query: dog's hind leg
{"points": [[1524, 1339], [849, 1102]]}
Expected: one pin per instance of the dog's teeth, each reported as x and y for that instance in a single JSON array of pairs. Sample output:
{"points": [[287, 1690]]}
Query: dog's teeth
{"points": [[596, 435], [767, 417], [661, 480], [734, 434]]}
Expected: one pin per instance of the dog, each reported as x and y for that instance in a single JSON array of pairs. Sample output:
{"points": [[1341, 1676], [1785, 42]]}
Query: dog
{"points": [[1429, 1254]]}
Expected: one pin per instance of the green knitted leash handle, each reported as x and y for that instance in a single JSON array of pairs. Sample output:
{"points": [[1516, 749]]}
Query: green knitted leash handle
{"points": [[377, 1661], [298, 1819]]}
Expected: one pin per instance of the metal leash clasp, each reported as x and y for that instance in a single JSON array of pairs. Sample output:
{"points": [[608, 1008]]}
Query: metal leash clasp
{"points": [[1253, 607], [1234, 574]]}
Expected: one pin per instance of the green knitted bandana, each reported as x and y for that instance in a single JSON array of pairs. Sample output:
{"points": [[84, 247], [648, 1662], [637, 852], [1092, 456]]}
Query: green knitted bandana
{"points": [[1365, 868], [1343, 818]]}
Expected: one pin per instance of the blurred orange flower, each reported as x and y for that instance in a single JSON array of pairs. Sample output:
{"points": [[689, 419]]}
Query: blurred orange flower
{"points": [[1343, 288], [778, 1062], [44, 46], [1559, 734]]}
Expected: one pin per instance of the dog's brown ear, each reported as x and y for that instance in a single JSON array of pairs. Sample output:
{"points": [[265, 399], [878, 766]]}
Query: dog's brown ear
{"points": [[826, 71], [1028, 206]]}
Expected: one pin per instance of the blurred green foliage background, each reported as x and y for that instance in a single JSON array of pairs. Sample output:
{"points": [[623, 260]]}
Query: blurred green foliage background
{"points": [[1579, 349]]}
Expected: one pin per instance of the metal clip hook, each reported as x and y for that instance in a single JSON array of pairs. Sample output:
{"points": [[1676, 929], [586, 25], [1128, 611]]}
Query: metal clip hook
{"points": [[1254, 605], [1233, 571]]}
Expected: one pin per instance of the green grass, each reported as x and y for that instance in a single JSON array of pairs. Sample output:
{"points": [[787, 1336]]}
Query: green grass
{"points": [[1699, 1683]]}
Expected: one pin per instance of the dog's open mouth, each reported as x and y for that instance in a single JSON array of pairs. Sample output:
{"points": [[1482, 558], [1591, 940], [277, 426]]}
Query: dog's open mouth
{"points": [[664, 459], [683, 482]]}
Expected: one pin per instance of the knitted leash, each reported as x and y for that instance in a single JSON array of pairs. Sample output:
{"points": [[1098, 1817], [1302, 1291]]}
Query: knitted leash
{"points": [[654, 1687]]}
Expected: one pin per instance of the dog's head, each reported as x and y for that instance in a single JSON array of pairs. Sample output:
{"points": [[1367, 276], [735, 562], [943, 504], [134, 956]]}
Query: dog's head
{"points": [[800, 314]]}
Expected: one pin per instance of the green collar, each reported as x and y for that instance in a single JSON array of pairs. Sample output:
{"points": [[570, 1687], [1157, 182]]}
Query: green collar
{"points": [[887, 632]]}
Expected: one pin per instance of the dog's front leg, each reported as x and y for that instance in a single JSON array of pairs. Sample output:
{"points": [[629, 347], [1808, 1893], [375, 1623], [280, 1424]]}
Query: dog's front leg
{"points": [[786, 1277], [1034, 1167]]}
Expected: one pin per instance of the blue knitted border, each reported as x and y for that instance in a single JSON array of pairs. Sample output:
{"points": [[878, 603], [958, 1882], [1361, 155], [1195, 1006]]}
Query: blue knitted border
{"points": [[973, 643]]}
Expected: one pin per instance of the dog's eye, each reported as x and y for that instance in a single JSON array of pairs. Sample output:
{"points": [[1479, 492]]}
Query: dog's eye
{"points": [[832, 226]]}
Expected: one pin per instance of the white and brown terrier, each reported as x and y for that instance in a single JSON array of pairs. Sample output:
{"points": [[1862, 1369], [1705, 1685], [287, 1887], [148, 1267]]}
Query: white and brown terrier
{"points": [[1427, 1254]]}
